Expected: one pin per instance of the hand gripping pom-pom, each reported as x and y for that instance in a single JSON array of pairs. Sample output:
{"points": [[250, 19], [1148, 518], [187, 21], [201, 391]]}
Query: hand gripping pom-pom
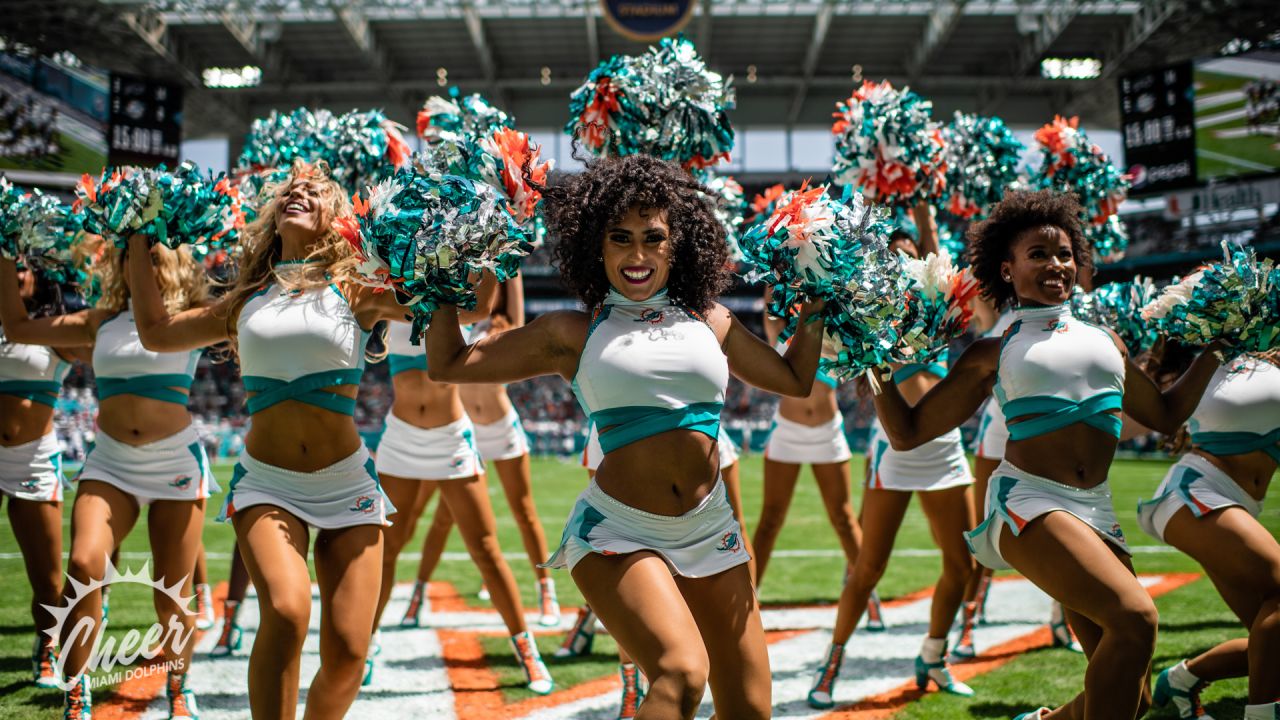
{"points": [[887, 145]]}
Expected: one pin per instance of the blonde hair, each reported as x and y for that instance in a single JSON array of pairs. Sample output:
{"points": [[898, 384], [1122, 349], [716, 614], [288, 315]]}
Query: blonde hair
{"points": [[183, 282], [331, 258]]}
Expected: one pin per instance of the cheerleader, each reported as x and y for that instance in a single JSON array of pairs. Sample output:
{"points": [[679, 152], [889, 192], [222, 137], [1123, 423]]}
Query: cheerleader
{"points": [[987, 455], [500, 438], [31, 477], [938, 474], [652, 543], [429, 444], [805, 430], [138, 459], [1061, 384], [299, 324], [1208, 507]]}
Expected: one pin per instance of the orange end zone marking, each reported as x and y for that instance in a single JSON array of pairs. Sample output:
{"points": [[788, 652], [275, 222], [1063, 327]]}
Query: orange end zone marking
{"points": [[132, 697], [887, 703]]}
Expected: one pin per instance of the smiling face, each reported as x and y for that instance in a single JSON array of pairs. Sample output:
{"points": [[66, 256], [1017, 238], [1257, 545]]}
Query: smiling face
{"points": [[1041, 266], [300, 217], [637, 253]]}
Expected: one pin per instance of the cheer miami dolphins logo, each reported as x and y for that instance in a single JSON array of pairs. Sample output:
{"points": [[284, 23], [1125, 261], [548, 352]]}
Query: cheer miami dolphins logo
{"points": [[364, 504], [109, 653], [652, 316]]}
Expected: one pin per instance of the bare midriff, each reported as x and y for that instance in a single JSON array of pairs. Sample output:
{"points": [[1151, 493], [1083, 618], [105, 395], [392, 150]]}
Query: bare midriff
{"points": [[664, 474], [297, 436], [22, 420], [485, 404], [1251, 471], [136, 420], [818, 408]]}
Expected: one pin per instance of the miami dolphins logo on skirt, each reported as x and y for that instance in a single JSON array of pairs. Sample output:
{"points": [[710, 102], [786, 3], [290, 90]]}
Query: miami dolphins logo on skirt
{"points": [[364, 504], [182, 482], [651, 316], [30, 484], [729, 543]]}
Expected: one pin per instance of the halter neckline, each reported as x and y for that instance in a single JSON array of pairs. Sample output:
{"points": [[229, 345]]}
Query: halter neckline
{"points": [[658, 299], [1033, 312]]}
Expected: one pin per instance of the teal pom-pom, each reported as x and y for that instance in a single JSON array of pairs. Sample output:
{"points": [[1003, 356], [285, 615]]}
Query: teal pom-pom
{"points": [[982, 157], [359, 147], [730, 203], [1071, 163], [183, 207], [665, 103], [1119, 306], [887, 145], [39, 232]]}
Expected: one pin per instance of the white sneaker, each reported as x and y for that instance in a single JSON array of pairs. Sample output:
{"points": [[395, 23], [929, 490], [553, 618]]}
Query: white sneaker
{"points": [[204, 607]]}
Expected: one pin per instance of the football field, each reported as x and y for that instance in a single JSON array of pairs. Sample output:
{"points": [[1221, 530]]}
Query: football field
{"points": [[459, 665]]}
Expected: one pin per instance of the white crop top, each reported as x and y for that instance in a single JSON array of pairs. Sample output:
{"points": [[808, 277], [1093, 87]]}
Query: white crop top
{"points": [[1240, 410], [122, 366], [648, 367], [1061, 369], [34, 372], [292, 344]]}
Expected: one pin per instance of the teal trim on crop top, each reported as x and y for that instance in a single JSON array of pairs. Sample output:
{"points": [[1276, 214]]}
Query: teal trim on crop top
{"points": [[937, 367], [1056, 413], [649, 342], [44, 392], [404, 363], [155, 387], [1238, 443], [305, 389]]}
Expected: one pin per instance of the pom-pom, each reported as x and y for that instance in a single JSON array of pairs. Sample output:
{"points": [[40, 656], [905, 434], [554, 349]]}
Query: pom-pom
{"points": [[938, 306], [425, 236], [39, 232], [1236, 301], [360, 147], [1119, 306], [763, 204], [814, 246], [1073, 164], [730, 203], [182, 207], [887, 146], [665, 103], [982, 157], [456, 118]]}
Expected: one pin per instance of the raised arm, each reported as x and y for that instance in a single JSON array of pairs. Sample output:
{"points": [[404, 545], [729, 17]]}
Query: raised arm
{"points": [[77, 329], [756, 363], [514, 309], [550, 345], [926, 228], [946, 405], [1165, 411], [773, 326], [159, 330]]}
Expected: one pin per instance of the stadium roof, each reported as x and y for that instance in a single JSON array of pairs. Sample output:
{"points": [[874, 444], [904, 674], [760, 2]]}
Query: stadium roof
{"points": [[979, 55]]}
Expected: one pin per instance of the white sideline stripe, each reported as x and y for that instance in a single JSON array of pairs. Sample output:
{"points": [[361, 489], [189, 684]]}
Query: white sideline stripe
{"points": [[410, 679], [1249, 164], [464, 557]]}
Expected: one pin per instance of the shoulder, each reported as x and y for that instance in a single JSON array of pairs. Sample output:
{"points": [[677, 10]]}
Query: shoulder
{"points": [[719, 319], [982, 356]]}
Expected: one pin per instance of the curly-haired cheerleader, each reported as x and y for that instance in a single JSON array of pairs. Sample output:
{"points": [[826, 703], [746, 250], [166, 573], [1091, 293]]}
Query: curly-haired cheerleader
{"points": [[1061, 384], [31, 461], [652, 542], [299, 324], [1208, 507], [139, 460]]}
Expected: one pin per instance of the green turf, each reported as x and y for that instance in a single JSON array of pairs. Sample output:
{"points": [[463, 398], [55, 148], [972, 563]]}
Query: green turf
{"points": [[1193, 617], [75, 158], [1256, 148]]}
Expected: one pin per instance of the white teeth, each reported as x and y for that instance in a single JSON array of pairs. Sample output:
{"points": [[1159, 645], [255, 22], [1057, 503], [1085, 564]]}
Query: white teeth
{"points": [[295, 206], [636, 275]]}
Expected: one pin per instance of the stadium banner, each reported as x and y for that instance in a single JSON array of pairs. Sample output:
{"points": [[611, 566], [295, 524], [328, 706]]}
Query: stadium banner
{"points": [[145, 121], [1238, 114], [1222, 197], [647, 20], [53, 118], [1157, 112]]}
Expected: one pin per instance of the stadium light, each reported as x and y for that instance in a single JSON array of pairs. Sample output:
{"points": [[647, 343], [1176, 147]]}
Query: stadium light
{"points": [[1070, 68], [241, 77]]}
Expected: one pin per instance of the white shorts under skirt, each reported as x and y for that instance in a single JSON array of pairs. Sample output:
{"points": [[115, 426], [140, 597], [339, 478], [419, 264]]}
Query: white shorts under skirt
{"points": [[1198, 485], [172, 468], [447, 452], [939, 464], [993, 434], [33, 470], [592, 454], [502, 440], [700, 543], [345, 494], [1016, 497], [797, 444]]}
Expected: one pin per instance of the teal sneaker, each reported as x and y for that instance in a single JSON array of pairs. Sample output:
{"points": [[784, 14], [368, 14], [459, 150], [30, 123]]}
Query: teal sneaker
{"points": [[182, 701], [78, 702], [822, 694], [1186, 702]]}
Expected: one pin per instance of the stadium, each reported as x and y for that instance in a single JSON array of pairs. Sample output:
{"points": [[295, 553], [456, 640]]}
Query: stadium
{"points": [[452, 151]]}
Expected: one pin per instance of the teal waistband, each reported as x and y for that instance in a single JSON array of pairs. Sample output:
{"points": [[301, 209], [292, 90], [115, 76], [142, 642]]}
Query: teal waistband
{"points": [[305, 389], [44, 392], [910, 371], [1056, 413], [156, 387], [1238, 443], [401, 363], [629, 424], [827, 379]]}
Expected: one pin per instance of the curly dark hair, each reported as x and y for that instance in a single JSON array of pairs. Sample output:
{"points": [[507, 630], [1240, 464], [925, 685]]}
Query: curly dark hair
{"points": [[579, 209], [990, 239]]}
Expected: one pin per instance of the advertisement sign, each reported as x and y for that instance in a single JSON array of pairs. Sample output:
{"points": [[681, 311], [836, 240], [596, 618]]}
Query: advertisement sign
{"points": [[1157, 111], [647, 20]]}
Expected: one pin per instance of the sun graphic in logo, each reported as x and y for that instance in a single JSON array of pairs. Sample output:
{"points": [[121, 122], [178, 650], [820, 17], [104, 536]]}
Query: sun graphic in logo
{"points": [[651, 316], [365, 504], [106, 653], [729, 543], [182, 482]]}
